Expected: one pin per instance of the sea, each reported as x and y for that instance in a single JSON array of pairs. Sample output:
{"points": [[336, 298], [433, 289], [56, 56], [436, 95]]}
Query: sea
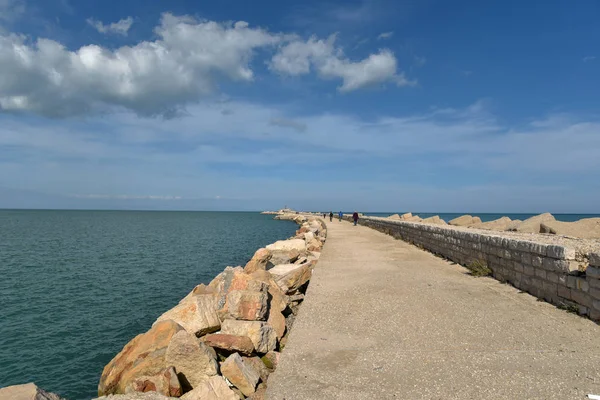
{"points": [[76, 286]]}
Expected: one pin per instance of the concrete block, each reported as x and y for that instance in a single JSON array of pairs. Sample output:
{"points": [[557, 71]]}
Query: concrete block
{"points": [[552, 264], [594, 259], [538, 248], [561, 252], [564, 292], [581, 298], [540, 273], [592, 272], [581, 284], [536, 261], [526, 258], [595, 293], [528, 270], [550, 289], [552, 277], [596, 305], [594, 283], [518, 267]]}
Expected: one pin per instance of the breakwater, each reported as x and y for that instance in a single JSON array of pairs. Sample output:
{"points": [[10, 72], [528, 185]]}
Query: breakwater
{"points": [[562, 271], [223, 339]]}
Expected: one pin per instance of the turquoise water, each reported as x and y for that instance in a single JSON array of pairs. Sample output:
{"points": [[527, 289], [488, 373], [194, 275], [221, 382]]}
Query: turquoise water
{"points": [[490, 217], [76, 286]]}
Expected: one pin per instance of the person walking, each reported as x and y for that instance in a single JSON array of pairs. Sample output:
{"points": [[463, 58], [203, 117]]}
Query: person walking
{"points": [[330, 216], [355, 217], [340, 215]]}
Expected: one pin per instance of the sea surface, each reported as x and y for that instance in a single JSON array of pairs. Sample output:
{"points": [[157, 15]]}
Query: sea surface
{"points": [[76, 286], [487, 216]]}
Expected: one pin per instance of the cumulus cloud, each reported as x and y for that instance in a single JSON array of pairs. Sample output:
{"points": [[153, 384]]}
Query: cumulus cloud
{"points": [[120, 28], [385, 35], [299, 58], [150, 78]]}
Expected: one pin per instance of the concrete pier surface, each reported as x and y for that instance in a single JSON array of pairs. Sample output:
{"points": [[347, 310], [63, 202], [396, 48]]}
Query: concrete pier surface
{"points": [[385, 320]]}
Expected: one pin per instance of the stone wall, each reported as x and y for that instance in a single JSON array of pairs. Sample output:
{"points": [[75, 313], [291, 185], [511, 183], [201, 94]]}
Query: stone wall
{"points": [[551, 272]]}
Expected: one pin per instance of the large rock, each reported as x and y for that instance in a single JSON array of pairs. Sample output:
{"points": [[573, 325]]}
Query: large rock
{"points": [[435, 220], [587, 228], [231, 343], [277, 299], [394, 216], [465, 220], [259, 366], [533, 224], [144, 355], [500, 224], [192, 359], [295, 278], [292, 244], [277, 321], [406, 216], [165, 382], [414, 218], [215, 388], [263, 336], [233, 279], [247, 305], [259, 261], [28, 391], [136, 396], [242, 376], [197, 314]]}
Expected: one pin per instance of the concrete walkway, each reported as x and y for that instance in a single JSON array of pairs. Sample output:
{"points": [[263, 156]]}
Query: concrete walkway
{"points": [[385, 320]]}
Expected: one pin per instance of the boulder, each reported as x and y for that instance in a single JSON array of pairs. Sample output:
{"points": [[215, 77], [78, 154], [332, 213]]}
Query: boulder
{"points": [[587, 228], [259, 366], [165, 382], [215, 388], [500, 224], [258, 261], [465, 220], [394, 216], [435, 220], [144, 355], [263, 336], [247, 305], [277, 321], [242, 376], [283, 257], [406, 216], [230, 343], [277, 299], [414, 218], [233, 279], [295, 278], [197, 315], [314, 245], [293, 244], [135, 396], [260, 394], [271, 360], [192, 359], [198, 290], [533, 224], [27, 391]]}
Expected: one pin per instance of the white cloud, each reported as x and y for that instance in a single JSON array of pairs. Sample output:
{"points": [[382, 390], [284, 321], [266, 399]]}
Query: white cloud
{"points": [[120, 28], [150, 78], [385, 35], [298, 58], [288, 123], [589, 58]]}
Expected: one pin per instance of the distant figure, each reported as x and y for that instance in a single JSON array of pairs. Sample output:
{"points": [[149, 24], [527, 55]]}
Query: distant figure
{"points": [[340, 215], [330, 216], [324, 215], [355, 217]]}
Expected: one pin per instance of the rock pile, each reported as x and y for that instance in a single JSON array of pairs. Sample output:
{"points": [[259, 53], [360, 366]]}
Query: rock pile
{"points": [[223, 339], [586, 228]]}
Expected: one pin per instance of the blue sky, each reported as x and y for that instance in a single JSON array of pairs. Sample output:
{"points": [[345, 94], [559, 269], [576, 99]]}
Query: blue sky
{"points": [[234, 105]]}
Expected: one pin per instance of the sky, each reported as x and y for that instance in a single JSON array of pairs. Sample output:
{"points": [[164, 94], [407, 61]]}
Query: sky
{"points": [[372, 105]]}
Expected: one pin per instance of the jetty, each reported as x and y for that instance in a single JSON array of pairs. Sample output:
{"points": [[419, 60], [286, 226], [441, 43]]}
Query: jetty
{"points": [[385, 319]]}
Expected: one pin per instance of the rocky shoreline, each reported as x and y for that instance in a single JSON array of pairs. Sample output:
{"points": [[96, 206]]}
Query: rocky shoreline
{"points": [[223, 339]]}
